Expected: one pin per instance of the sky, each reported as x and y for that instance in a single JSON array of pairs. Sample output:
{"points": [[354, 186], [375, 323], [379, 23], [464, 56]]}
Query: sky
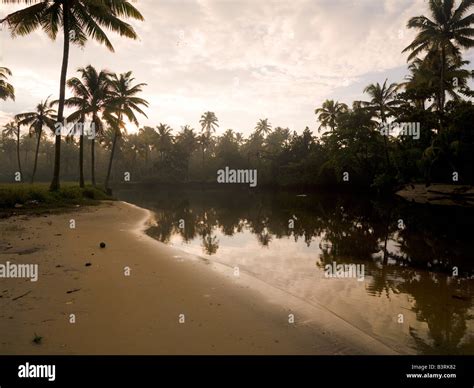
{"points": [[244, 60]]}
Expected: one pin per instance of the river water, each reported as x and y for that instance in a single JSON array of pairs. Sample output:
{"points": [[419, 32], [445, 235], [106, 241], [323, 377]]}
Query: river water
{"points": [[417, 285]]}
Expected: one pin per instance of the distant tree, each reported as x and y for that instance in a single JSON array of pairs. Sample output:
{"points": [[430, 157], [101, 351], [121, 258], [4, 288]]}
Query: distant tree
{"points": [[44, 115], [263, 127], [209, 123], [13, 129], [328, 113]]}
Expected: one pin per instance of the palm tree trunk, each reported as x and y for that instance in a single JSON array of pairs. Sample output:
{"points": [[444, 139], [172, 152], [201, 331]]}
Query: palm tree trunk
{"points": [[36, 156], [62, 93], [81, 160], [93, 161], [81, 155], [109, 169], [18, 150], [441, 86]]}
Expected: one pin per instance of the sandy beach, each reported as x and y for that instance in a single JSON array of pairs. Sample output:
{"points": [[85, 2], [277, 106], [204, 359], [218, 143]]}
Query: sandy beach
{"points": [[139, 296]]}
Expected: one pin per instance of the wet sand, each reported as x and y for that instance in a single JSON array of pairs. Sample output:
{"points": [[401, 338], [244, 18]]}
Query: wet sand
{"points": [[171, 302]]}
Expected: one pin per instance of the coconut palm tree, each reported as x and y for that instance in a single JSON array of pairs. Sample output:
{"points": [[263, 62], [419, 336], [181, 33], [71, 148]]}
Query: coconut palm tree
{"points": [[6, 89], [90, 98], [209, 122], [383, 100], [382, 105], [263, 127], [122, 101], [13, 129], [448, 30], [164, 139], [328, 113], [188, 141], [43, 115], [79, 20]]}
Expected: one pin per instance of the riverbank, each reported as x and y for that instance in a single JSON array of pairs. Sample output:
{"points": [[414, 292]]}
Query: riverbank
{"points": [[138, 296], [439, 194]]}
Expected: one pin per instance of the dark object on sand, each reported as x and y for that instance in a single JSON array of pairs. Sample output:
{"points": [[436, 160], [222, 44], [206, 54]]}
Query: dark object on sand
{"points": [[102, 244], [88, 264]]}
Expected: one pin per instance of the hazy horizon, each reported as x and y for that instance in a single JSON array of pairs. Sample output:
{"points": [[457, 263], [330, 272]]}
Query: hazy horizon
{"points": [[242, 60]]}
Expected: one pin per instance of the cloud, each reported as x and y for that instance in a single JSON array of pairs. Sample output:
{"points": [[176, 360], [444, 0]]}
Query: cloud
{"points": [[243, 59]]}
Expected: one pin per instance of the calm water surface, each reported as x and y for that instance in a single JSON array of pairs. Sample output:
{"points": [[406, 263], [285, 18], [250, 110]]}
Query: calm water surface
{"points": [[286, 239]]}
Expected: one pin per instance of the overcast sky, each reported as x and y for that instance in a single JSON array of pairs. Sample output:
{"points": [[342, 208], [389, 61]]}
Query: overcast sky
{"points": [[243, 60]]}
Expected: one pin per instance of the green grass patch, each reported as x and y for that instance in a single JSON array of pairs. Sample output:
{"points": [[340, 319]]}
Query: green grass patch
{"points": [[37, 196]]}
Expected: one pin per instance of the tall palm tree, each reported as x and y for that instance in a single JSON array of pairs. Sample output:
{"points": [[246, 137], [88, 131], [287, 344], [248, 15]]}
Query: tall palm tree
{"points": [[147, 142], [329, 112], [13, 129], [263, 127], [188, 140], [6, 89], [79, 20], [422, 83], [209, 122], [123, 101], [382, 105], [90, 98], [448, 30], [164, 139], [43, 115], [383, 100]]}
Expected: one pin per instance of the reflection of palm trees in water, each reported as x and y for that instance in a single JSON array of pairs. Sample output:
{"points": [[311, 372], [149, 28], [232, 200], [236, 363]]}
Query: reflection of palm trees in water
{"points": [[445, 306], [350, 231]]}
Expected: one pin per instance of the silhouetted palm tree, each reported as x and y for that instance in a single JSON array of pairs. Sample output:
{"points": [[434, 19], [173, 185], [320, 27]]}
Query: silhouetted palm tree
{"points": [[79, 20], [263, 127], [122, 102], [328, 113], [382, 105], [6, 89], [13, 129], [209, 122], [44, 115], [448, 30], [164, 139], [91, 93]]}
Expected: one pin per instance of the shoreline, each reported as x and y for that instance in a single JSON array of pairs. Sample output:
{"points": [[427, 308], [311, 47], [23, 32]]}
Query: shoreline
{"points": [[170, 303]]}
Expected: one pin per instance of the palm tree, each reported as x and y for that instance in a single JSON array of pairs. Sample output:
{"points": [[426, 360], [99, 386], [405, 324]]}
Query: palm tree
{"points": [[90, 97], [209, 122], [79, 20], [382, 105], [44, 115], [122, 102], [443, 35], [6, 90], [329, 112], [188, 141], [10, 129], [383, 100], [164, 139], [263, 127], [147, 141]]}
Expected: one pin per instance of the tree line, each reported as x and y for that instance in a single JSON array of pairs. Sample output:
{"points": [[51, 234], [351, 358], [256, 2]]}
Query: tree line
{"points": [[357, 147]]}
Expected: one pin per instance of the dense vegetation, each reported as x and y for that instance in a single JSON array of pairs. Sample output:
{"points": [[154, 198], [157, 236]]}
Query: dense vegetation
{"points": [[431, 114]]}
